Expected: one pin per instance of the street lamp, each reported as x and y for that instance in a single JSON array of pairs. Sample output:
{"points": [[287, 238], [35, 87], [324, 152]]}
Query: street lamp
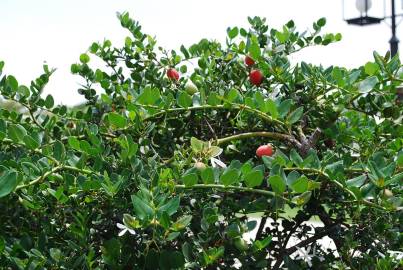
{"points": [[363, 6]]}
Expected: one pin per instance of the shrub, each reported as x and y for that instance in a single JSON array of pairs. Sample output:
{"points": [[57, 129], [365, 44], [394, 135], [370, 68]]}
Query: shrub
{"points": [[157, 172]]}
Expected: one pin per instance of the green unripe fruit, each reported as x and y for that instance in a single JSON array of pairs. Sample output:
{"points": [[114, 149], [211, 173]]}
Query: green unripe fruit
{"points": [[241, 244], [190, 88]]}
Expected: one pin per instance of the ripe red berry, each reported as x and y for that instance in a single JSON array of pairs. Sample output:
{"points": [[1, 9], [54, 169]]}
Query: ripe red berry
{"points": [[249, 61], [173, 74], [264, 150], [256, 77]]}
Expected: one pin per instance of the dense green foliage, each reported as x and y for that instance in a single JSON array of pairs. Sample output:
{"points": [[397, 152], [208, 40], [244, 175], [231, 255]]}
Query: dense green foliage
{"points": [[154, 173]]}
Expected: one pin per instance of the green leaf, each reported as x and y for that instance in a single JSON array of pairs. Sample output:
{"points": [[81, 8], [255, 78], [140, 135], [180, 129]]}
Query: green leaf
{"points": [[317, 40], [197, 145], [232, 95], [368, 84], [282, 37], [207, 176], [182, 223], [388, 170], [55, 254], [183, 69], [184, 99], [229, 177], [395, 179], [312, 160], [84, 58], [74, 143], [105, 98], [213, 99], [190, 179], [357, 181], [171, 206], [213, 254], [254, 50], [23, 91], [59, 151], [295, 157], [94, 47], [149, 96], [292, 177], [353, 76], [31, 142], [232, 33], [16, 132], [8, 182], [184, 51], [131, 222], [49, 102], [321, 22], [261, 244], [300, 185], [284, 107], [12, 83], [368, 190], [277, 183], [335, 167], [254, 178], [272, 108], [371, 68], [117, 120], [303, 198], [259, 99], [295, 115], [141, 207]]}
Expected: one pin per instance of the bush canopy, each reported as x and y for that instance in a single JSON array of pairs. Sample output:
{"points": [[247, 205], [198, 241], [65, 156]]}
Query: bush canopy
{"points": [[159, 169]]}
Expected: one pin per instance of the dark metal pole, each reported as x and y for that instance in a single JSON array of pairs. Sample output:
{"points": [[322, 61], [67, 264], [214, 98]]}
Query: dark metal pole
{"points": [[394, 41]]}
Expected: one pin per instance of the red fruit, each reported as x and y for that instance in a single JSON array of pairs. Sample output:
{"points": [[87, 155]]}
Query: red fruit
{"points": [[173, 74], [264, 150], [256, 77], [249, 61]]}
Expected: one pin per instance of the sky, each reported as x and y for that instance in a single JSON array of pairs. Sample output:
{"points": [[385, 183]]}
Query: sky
{"points": [[58, 31]]}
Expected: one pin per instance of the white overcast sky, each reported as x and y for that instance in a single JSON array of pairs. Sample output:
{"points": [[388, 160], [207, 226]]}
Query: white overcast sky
{"points": [[58, 31]]}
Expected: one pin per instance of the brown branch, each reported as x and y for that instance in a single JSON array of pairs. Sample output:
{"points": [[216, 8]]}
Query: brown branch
{"points": [[317, 236], [283, 250], [308, 143], [261, 227]]}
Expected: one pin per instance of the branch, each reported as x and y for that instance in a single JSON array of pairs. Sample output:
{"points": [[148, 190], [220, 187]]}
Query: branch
{"points": [[317, 236], [54, 170], [34, 119], [283, 250], [308, 143], [262, 115], [39, 179], [266, 193], [261, 228], [38, 151], [271, 135]]}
